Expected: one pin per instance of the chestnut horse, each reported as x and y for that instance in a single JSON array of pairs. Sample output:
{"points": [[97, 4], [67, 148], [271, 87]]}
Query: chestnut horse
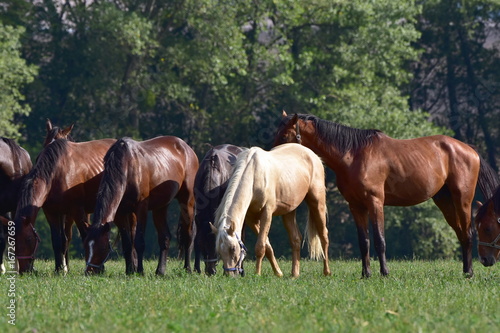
{"points": [[64, 182], [266, 184], [142, 176], [15, 163], [374, 170], [210, 185]]}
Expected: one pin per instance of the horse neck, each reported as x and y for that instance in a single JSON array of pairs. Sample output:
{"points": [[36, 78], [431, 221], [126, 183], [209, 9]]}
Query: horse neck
{"points": [[329, 154], [237, 199], [31, 199]]}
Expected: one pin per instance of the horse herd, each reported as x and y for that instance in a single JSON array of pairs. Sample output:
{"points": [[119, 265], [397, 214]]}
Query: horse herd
{"points": [[119, 181]]}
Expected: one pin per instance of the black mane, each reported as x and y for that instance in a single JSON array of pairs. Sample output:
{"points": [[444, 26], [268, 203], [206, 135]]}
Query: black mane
{"points": [[343, 138], [113, 177], [43, 170]]}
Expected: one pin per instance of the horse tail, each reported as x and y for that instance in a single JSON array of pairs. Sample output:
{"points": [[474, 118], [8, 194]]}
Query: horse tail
{"points": [[488, 180], [313, 240]]}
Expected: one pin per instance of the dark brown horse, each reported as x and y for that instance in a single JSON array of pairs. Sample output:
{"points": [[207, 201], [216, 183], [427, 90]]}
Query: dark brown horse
{"points": [[209, 187], [374, 170], [142, 176], [64, 181], [15, 163]]}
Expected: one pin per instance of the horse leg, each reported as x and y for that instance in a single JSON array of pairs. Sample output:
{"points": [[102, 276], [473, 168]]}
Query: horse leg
{"points": [[318, 218], [262, 240], [127, 244], [360, 216], [376, 214], [457, 214], [186, 203], [269, 249], [3, 242], [197, 250], [164, 236], [56, 232], [295, 239], [140, 245], [68, 235]]}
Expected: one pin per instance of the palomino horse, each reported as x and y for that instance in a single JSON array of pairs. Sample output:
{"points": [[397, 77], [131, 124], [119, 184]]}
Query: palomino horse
{"points": [[374, 170], [142, 176], [210, 185], [267, 183], [15, 163], [64, 181]]}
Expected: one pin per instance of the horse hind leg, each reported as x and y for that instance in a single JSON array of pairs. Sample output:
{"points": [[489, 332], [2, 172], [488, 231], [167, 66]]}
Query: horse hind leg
{"points": [[295, 238], [456, 212], [164, 236], [317, 230]]}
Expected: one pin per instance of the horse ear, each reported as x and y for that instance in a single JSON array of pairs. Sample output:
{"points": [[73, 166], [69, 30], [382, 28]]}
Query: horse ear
{"points": [[284, 114], [68, 129], [48, 125], [479, 204], [214, 229]]}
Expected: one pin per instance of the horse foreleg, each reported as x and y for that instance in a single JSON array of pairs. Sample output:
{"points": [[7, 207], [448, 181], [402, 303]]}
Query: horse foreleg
{"points": [[127, 247], [140, 244], [56, 232], [68, 235], [186, 203], [269, 251], [164, 236], [360, 216], [295, 239], [262, 244], [376, 214]]}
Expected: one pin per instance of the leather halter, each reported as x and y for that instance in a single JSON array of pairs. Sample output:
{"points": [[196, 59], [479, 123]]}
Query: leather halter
{"points": [[493, 244], [243, 254], [101, 266], [38, 240]]}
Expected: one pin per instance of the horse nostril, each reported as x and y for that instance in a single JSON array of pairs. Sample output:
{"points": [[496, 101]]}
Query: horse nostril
{"points": [[487, 261]]}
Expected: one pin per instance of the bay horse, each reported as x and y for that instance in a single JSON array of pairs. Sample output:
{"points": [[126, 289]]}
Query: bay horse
{"points": [[64, 182], [210, 184], [374, 170], [138, 177], [266, 184], [15, 163]]}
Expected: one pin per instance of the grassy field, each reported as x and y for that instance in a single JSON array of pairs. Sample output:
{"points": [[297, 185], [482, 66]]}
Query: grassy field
{"points": [[418, 296]]}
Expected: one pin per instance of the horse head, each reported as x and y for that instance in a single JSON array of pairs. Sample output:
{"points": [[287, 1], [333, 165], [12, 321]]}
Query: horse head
{"points": [[288, 130], [27, 242], [231, 249], [54, 133], [97, 248], [488, 231]]}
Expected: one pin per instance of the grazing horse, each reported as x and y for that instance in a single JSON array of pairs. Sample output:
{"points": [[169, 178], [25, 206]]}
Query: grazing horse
{"points": [[15, 163], [64, 182], [210, 185], [142, 176], [374, 170], [266, 184]]}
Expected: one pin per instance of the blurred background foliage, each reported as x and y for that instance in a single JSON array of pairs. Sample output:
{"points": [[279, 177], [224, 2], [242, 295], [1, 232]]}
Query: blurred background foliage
{"points": [[215, 72]]}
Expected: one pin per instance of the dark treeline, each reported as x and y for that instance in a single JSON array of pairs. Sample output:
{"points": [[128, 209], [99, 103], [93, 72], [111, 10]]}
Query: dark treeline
{"points": [[214, 72]]}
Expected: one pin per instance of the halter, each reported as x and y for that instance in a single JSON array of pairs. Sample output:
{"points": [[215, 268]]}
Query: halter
{"points": [[101, 266], [494, 243], [38, 240], [243, 254], [297, 131]]}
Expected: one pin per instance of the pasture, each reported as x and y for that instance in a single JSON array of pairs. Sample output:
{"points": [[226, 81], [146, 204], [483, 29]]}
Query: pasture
{"points": [[417, 296]]}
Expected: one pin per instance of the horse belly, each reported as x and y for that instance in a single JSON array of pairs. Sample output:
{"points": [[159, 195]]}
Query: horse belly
{"points": [[409, 192]]}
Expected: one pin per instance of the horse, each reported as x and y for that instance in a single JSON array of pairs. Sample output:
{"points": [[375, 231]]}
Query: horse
{"points": [[64, 182], [210, 184], [15, 163], [374, 170], [138, 177], [266, 184]]}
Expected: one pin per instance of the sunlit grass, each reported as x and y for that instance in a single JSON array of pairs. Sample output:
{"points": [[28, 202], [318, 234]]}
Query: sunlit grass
{"points": [[418, 295]]}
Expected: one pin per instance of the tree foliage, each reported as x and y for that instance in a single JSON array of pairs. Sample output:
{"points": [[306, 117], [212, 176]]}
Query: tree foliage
{"points": [[14, 74]]}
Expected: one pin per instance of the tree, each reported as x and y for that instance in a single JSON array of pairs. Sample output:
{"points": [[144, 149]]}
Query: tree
{"points": [[14, 74]]}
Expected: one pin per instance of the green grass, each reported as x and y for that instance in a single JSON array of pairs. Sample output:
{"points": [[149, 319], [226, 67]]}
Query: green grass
{"points": [[424, 296]]}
